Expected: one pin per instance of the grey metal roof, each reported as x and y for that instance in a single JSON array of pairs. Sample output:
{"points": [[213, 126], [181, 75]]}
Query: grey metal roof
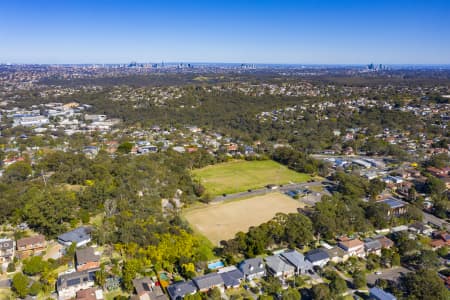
{"points": [[208, 281], [77, 235], [317, 255], [180, 289], [372, 244], [6, 244], [86, 255], [75, 278], [297, 259], [276, 264], [232, 278], [393, 203], [252, 266]]}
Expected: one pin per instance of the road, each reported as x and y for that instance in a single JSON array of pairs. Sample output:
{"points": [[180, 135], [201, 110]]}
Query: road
{"points": [[431, 219], [263, 191], [387, 274], [5, 283]]}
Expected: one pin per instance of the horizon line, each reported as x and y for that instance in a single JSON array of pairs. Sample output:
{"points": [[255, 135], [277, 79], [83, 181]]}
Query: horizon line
{"points": [[225, 63]]}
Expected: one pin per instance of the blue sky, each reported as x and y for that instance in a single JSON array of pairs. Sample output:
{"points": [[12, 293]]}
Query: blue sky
{"points": [[305, 32]]}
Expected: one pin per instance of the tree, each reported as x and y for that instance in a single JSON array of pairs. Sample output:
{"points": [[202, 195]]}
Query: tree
{"points": [[359, 279], [11, 267], [35, 288], [100, 276], [18, 171], [125, 148], [291, 294], [272, 285], [298, 230], [34, 265], [195, 296], [214, 294], [426, 259], [396, 259], [424, 285], [130, 269], [20, 284], [338, 285], [321, 292]]}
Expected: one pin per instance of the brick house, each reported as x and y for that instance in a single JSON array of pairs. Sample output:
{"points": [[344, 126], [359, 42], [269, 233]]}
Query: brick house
{"points": [[31, 246]]}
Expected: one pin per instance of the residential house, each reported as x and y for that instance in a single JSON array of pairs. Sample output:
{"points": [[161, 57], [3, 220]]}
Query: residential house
{"points": [[277, 267], [178, 290], [6, 250], [372, 246], [231, 276], [396, 207], [89, 294], [209, 281], [353, 247], [86, 258], [437, 172], [378, 294], [318, 257], [69, 284], [252, 268], [421, 228], [32, 245], [146, 289], [440, 239], [337, 254], [80, 236], [385, 242], [298, 260]]}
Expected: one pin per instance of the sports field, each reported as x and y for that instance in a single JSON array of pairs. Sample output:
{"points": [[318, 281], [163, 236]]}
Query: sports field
{"points": [[222, 221], [240, 175]]}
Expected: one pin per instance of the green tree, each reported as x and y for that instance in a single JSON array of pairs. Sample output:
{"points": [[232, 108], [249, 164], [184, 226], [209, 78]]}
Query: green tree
{"points": [[298, 230], [100, 276], [396, 259], [359, 279], [18, 171], [321, 292], [272, 285], [424, 285], [338, 285], [35, 288], [125, 147], [34, 265], [214, 294], [130, 269], [20, 284], [291, 294], [11, 267]]}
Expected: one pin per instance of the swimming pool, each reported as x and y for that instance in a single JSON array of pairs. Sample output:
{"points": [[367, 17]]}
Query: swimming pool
{"points": [[215, 265]]}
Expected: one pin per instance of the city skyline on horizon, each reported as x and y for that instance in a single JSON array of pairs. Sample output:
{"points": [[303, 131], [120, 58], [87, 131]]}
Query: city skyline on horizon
{"points": [[253, 32]]}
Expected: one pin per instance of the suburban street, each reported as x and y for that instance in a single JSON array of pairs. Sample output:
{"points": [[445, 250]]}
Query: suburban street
{"points": [[387, 274]]}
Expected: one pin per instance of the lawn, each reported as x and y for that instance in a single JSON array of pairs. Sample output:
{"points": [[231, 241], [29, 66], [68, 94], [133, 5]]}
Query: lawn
{"points": [[222, 221], [240, 175]]}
